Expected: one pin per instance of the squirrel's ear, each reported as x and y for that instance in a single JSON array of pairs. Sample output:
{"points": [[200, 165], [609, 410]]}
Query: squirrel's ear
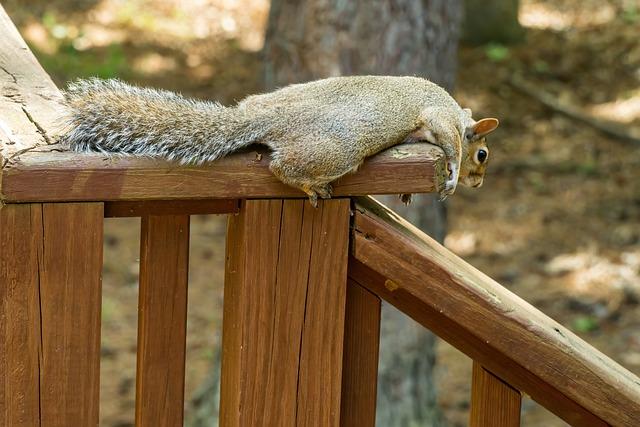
{"points": [[484, 127]]}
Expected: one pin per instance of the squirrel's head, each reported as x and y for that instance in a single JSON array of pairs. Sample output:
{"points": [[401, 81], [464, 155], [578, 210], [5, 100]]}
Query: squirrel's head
{"points": [[475, 153]]}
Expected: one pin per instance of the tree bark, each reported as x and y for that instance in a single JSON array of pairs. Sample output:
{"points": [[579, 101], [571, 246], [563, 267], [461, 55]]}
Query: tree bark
{"points": [[312, 39]]}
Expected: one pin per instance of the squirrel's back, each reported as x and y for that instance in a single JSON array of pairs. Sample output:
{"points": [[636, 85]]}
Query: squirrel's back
{"points": [[372, 111]]}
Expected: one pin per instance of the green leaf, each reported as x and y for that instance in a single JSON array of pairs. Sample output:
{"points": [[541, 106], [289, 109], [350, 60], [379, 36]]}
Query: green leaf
{"points": [[496, 52], [584, 324], [631, 14]]}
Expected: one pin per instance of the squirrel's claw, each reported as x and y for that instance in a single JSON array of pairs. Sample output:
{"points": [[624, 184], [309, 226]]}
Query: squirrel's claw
{"points": [[406, 199], [313, 199], [324, 191], [448, 189]]}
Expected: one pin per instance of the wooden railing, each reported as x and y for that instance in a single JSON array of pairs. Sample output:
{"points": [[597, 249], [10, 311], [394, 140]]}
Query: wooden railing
{"points": [[303, 287]]}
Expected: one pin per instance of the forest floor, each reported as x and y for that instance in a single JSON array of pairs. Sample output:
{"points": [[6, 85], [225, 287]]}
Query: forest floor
{"points": [[557, 220]]}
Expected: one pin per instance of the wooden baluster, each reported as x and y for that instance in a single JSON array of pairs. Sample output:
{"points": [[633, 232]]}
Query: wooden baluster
{"points": [[50, 266], [494, 403], [162, 320], [360, 362], [20, 240], [284, 306]]}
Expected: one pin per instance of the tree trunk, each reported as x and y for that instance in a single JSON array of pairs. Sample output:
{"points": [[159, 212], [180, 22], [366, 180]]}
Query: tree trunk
{"points": [[491, 22], [311, 39]]}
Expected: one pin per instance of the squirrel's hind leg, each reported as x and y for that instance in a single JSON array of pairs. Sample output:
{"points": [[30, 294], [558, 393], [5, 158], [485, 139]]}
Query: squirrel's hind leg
{"points": [[324, 190], [311, 189]]}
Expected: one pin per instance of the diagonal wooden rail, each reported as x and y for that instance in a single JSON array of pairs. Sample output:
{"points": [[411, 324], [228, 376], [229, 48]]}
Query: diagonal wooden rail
{"points": [[493, 326]]}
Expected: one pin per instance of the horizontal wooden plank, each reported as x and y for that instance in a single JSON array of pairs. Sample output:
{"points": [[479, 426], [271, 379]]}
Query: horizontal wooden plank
{"points": [[29, 101], [170, 207], [490, 324], [64, 176]]}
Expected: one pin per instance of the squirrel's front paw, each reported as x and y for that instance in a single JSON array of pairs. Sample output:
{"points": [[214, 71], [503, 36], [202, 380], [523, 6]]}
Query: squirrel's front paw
{"points": [[448, 189]]}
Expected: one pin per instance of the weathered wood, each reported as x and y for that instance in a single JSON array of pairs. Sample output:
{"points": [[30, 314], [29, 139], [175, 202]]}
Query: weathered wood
{"points": [[54, 176], [360, 361], [170, 207], [510, 337], [162, 320], [20, 242], [283, 321], [29, 101], [70, 267], [494, 403]]}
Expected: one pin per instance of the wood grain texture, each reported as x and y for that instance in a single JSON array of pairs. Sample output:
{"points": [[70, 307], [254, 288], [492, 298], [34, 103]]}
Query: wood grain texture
{"points": [[494, 403], [250, 277], [320, 376], [360, 360], [55, 176], [20, 243], [29, 101], [170, 207], [162, 320], [70, 268], [285, 289], [513, 339]]}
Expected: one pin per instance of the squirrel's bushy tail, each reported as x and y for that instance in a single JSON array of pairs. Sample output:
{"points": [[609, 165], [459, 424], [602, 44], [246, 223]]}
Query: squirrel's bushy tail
{"points": [[110, 116]]}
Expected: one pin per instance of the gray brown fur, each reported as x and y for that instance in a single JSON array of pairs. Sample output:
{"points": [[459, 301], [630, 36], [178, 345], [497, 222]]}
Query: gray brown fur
{"points": [[318, 131]]}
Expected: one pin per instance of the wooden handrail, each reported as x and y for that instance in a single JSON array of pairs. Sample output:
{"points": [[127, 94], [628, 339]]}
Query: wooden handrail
{"points": [[508, 336], [47, 175]]}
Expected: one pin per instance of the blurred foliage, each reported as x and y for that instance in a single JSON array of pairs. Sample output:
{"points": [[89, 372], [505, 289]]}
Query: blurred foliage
{"points": [[69, 63], [62, 52], [631, 14], [584, 324], [496, 52]]}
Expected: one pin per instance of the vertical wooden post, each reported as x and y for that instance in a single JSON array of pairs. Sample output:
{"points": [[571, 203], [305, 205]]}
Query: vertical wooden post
{"points": [[360, 362], [70, 305], [284, 306], [50, 291], [162, 320], [20, 240], [494, 403]]}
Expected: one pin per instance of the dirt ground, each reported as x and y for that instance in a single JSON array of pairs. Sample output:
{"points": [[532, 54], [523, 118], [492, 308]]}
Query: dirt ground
{"points": [[557, 220]]}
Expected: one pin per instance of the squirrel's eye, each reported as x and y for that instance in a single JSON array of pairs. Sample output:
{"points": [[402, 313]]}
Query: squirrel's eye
{"points": [[481, 156]]}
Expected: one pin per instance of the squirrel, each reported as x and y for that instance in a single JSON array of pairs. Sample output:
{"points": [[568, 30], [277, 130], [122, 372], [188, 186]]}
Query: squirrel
{"points": [[317, 131]]}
